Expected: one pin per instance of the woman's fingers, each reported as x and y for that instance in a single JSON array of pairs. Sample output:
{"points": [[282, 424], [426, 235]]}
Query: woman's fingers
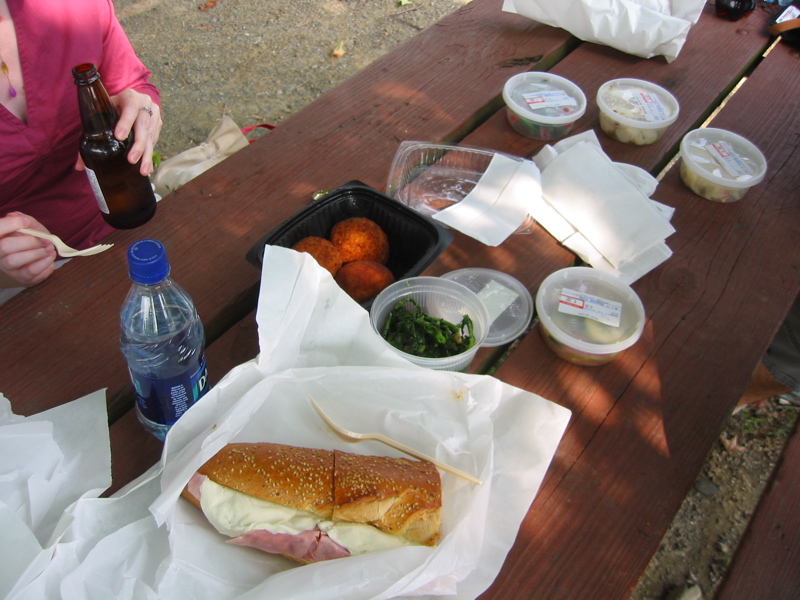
{"points": [[138, 113]]}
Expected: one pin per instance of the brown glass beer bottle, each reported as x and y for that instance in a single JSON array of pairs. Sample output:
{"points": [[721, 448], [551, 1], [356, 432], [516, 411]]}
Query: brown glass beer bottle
{"points": [[124, 195]]}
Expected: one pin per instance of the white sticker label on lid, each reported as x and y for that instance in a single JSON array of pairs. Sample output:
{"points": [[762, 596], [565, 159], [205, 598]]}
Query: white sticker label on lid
{"points": [[557, 98], [496, 297], [592, 307], [790, 13], [651, 106], [728, 159]]}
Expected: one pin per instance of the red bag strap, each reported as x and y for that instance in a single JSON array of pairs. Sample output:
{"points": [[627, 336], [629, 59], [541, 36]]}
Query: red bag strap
{"points": [[249, 128]]}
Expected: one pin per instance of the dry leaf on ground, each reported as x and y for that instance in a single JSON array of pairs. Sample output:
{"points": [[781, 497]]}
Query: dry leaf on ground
{"points": [[339, 51], [732, 444]]}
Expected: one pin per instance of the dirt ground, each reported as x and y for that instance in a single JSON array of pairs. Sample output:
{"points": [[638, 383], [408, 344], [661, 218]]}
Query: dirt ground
{"points": [[259, 61], [701, 541]]}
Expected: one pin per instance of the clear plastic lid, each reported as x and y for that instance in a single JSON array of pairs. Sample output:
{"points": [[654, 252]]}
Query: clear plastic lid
{"points": [[508, 302], [723, 157], [637, 102], [544, 97]]}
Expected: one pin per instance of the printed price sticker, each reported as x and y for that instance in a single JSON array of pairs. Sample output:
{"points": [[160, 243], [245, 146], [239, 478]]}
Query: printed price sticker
{"points": [[726, 156], [651, 106], [555, 98], [581, 304], [790, 13]]}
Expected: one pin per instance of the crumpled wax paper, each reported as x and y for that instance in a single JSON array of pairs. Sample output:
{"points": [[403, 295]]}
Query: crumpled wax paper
{"points": [[146, 542], [47, 462], [643, 28]]}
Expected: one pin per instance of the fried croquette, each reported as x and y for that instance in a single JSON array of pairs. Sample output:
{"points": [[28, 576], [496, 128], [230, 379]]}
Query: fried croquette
{"points": [[323, 251], [364, 279], [359, 238]]}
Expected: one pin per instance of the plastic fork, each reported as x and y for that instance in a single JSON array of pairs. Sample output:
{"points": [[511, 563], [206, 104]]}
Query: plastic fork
{"points": [[64, 250], [352, 436]]}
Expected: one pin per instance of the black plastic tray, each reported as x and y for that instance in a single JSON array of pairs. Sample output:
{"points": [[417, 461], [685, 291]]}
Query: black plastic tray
{"points": [[414, 239]]}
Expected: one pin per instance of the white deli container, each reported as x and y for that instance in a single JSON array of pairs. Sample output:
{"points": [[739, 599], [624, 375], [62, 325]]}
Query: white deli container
{"points": [[634, 111], [543, 106], [587, 317], [720, 165]]}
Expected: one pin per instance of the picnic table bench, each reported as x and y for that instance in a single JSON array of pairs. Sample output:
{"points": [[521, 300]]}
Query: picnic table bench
{"points": [[642, 426]]}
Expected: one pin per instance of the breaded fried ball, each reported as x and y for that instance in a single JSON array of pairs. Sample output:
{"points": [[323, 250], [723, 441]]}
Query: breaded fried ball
{"points": [[325, 253], [358, 238], [363, 279]]}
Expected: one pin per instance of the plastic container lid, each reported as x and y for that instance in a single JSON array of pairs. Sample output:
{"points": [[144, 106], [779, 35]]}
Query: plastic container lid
{"points": [[637, 103], [579, 332], [544, 98], [508, 302], [147, 262], [723, 157]]}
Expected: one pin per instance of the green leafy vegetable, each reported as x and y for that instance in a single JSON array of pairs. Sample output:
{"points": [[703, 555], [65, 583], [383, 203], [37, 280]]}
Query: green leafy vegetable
{"points": [[415, 332]]}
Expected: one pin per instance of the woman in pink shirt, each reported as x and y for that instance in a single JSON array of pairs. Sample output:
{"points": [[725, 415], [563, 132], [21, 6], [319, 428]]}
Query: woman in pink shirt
{"points": [[42, 185]]}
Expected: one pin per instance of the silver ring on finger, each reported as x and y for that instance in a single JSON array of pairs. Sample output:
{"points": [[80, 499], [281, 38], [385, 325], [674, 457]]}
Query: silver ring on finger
{"points": [[147, 109]]}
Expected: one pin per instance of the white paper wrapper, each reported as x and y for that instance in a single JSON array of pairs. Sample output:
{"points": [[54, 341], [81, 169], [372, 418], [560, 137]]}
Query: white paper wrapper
{"points": [[48, 462], [146, 542], [643, 28]]}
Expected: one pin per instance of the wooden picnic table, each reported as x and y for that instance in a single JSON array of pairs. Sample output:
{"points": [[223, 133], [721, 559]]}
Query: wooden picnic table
{"points": [[642, 425]]}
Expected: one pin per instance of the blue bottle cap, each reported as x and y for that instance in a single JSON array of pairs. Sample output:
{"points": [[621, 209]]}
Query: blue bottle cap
{"points": [[147, 262]]}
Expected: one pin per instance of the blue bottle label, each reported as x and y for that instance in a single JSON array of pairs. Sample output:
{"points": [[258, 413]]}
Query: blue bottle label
{"points": [[164, 400]]}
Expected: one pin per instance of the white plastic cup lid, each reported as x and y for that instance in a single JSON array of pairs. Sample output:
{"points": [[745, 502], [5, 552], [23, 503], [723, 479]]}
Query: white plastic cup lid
{"points": [[637, 103], [724, 157], [508, 302], [544, 97]]}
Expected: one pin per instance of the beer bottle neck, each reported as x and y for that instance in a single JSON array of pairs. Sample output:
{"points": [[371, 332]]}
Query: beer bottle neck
{"points": [[98, 114]]}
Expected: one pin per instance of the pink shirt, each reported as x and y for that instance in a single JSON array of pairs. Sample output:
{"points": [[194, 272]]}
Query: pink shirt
{"points": [[37, 175]]}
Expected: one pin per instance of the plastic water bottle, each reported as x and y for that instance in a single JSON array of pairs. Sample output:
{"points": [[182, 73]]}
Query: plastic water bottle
{"points": [[162, 340]]}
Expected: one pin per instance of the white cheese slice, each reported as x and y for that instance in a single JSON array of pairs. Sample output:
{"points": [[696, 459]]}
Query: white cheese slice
{"points": [[234, 513]]}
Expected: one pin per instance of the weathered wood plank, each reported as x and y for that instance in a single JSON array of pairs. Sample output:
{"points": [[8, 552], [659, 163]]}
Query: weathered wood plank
{"points": [[643, 425]]}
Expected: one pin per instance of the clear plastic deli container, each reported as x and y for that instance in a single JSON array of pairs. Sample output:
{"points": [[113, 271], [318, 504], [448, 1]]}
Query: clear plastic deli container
{"points": [[587, 317], [438, 298], [720, 165], [430, 177], [634, 111], [543, 106]]}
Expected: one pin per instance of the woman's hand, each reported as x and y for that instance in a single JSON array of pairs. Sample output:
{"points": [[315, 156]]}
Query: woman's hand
{"points": [[138, 112], [24, 259]]}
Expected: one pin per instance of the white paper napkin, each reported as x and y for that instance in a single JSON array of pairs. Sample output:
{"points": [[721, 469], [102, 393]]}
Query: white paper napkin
{"points": [[498, 204], [601, 210]]}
